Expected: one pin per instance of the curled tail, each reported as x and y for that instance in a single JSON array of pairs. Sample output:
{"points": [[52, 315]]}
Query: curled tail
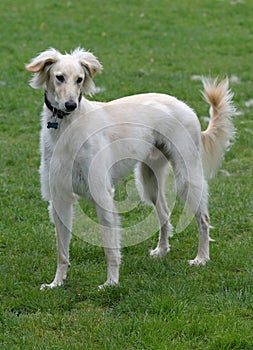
{"points": [[220, 131]]}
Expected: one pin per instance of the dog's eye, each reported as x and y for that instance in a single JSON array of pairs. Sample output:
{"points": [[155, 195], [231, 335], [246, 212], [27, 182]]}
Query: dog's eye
{"points": [[79, 80], [60, 78]]}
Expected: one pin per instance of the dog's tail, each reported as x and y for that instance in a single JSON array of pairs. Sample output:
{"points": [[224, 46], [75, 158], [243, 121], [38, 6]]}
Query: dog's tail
{"points": [[220, 131]]}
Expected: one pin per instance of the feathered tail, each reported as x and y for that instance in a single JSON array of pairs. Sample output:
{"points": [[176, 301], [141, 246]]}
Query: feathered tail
{"points": [[220, 131]]}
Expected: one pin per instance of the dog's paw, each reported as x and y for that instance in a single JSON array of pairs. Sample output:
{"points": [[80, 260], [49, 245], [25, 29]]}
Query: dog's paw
{"points": [[108, 284], [51, 285], [159, 252], [198, 261]]}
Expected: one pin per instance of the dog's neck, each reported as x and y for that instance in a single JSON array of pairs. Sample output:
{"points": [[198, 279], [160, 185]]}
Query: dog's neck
{"points": [[56, 112]]}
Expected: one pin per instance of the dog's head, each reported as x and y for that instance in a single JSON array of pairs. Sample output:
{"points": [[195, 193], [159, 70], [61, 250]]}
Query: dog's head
{"points": [[64, 77]]}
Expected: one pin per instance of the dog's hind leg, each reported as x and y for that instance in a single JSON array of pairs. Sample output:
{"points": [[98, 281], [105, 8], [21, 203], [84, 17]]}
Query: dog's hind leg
{"points": [[62, 218], [203, 221], [193, 190], [166, 229], [150, 181], [110, 227]]}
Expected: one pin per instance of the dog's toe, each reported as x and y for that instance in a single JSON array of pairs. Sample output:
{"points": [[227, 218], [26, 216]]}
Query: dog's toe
{"points": [[107, 284], [159, 252], [51, 285], [46, 286], [198, 261]]}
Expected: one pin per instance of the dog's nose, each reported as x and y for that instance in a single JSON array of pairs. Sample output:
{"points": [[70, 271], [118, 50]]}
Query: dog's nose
{"points": [[70, 105]]}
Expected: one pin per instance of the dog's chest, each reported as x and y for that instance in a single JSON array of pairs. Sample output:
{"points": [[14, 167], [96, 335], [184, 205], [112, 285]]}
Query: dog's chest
{"points": [[79, 179]]}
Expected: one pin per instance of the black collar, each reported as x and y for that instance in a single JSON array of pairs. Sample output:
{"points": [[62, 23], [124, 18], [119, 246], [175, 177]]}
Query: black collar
{"points": [[56, 112]]}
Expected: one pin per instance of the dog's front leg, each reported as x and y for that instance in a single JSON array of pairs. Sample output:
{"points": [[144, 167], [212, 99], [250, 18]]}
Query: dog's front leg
{"points": [[62, 217], [110, 228]]}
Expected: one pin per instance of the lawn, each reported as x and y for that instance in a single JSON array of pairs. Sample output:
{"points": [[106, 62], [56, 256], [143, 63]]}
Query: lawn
{"points": [[144, 46]]}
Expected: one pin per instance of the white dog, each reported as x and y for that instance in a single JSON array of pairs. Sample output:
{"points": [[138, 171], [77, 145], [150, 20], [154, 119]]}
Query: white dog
{"points": [[86, 147]]}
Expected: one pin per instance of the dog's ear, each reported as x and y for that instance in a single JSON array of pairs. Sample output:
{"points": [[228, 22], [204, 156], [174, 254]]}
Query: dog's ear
{"points": [[91, 66], [40, 66]]}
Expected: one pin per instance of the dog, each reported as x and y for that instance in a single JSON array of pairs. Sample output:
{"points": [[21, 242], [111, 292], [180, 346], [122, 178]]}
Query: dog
{"points": [[87, 147]]}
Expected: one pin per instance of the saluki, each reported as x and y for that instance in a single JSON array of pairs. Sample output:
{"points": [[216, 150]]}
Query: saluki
{"points": [[87, 147]]}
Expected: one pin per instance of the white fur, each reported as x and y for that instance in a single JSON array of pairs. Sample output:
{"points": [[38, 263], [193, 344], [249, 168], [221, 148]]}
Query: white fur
{"points": [[99, 143]]}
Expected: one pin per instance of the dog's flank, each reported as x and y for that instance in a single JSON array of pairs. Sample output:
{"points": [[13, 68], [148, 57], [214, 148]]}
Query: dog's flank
{"points": [[90, 146]]}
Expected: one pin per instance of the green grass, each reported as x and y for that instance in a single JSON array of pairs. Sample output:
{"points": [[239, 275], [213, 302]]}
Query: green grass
{"points": [[160, 304]]}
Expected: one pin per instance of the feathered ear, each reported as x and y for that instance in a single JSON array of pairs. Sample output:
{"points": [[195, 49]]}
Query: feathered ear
{"points": [[40, 66], [91, 66]]}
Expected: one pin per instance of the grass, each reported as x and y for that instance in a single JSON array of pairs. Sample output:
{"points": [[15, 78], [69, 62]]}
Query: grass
{"points": [[160, 304]]}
